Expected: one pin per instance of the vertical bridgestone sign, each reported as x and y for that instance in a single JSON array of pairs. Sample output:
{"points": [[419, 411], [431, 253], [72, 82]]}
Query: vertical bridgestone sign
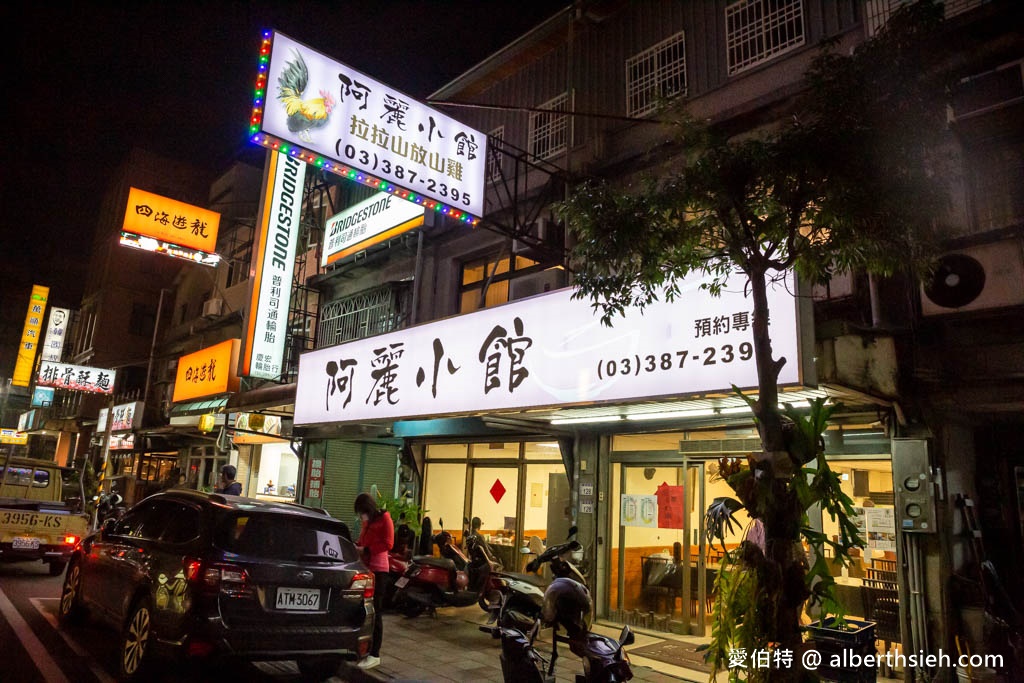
{"points": [[274, 265]]}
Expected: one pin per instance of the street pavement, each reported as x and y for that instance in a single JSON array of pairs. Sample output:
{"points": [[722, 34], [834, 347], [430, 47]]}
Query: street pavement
{"points": [[451, 647]]}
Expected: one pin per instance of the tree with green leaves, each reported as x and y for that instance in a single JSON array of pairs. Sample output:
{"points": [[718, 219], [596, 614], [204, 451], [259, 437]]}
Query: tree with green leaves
{"points": [[845, 182]]}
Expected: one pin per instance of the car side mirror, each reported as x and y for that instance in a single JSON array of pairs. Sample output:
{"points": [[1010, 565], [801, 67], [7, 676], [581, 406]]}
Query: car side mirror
{"points": [[108, 527]]}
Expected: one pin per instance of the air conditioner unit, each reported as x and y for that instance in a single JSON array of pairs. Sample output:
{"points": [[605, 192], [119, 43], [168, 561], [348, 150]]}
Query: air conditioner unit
{"points": [[977, 278], [840, 286], [535, 283], [212, 307]]}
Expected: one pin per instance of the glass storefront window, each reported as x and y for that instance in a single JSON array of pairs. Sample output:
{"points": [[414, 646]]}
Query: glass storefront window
{"points": [[494, 450], [869, 484], [542, 450], [279, 471], [442, 451], [444, 495]]}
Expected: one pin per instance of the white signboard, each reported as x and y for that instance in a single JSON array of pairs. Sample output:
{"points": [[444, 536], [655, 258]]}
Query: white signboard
{"points": [[373, 220], [127, 416], [75, 378], [267, 331], [343, 115], [547, 350], [881, 528], [53, 343]]}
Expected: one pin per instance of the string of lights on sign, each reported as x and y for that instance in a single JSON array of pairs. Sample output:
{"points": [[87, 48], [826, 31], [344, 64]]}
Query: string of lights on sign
{"points": [[270, 141]]}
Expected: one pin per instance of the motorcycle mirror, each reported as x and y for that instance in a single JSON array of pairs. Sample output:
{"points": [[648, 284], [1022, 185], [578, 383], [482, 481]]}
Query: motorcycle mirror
{"points": [[572, 531], [440, 523]]}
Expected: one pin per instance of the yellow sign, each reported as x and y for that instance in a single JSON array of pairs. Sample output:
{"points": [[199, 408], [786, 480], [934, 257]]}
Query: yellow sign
{"points": [[13, 436], [206, 372], [30, 336], [168, 220]]}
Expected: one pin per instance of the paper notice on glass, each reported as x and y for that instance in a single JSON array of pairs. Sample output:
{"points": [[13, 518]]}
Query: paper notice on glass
{"points": [[881, 528], [639, 511]]}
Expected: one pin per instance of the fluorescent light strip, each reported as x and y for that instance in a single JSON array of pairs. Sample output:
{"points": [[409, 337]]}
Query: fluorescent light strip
{"points": [[584, 420]]}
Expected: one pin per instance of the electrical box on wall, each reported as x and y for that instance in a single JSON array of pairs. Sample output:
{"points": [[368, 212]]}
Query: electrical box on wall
{"points": [[914, 484]]}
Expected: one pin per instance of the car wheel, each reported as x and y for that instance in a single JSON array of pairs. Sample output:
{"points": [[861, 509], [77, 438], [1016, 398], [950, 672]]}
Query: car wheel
{"points": [[70, 609], [134, 646], [319, 668], [57, 567]]}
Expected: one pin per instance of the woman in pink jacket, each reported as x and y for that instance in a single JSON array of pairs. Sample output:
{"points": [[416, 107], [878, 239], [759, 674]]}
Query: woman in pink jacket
{"points": [[376, 537]]}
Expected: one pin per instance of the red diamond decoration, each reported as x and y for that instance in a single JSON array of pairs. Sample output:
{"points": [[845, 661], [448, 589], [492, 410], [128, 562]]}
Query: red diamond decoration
{"points": [[497, 491]]}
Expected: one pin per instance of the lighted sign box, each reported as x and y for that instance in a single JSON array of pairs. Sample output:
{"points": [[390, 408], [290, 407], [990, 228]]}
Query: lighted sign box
{"points": [[548, 350], [13, 436], [127, 416], [76, 378], [369, 222], [336, 118], [30, 336], [273, 266], [164, 225], [53, 344], [207, 372]]}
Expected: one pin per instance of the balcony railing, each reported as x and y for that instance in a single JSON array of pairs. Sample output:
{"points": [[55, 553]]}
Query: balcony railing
{"points": [[374, 311]]}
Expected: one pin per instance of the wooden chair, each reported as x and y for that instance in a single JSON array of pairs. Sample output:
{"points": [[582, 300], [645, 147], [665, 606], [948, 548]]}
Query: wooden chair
{"points": [[882, 606]]}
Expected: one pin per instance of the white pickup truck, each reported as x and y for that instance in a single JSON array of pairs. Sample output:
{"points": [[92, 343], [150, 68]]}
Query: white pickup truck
{"points": [[38, 521]]}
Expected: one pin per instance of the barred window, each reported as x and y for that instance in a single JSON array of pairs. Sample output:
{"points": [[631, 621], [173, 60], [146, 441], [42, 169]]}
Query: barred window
{"points": [[757, 30], [494, 155], [659, 72], [549, 130]]}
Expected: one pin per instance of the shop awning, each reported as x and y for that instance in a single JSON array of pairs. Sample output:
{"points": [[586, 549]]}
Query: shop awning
{"points": [[207, 405], [270, 396]]}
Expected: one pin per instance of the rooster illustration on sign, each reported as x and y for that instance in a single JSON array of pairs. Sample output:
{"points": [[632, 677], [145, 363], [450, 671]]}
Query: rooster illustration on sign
{"points": [[303, 115]]}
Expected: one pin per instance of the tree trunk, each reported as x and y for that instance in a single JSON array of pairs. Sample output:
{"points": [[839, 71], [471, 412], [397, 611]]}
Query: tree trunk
{"points": [[781, 518]]}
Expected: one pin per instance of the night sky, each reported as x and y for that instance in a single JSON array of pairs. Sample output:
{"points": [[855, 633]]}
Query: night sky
{"points": [[89, 80]]}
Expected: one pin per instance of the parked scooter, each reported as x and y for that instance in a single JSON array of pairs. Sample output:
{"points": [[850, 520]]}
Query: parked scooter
{"points": [[567, 606], [108, 506], [521, 595], [452, 580]]}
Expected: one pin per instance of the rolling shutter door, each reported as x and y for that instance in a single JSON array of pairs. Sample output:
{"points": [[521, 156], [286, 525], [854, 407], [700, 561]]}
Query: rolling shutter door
{"points": [[352, 468]]}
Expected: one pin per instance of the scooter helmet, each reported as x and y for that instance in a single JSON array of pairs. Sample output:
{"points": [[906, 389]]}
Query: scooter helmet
{"points": [[567, 603]]}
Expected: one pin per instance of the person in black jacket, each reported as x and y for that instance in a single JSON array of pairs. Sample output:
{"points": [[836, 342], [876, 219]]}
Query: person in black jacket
{"points": [[228, 485]]}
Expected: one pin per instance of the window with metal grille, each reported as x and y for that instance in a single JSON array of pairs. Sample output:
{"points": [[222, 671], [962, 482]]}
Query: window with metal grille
{"points": [[657, 73], [375, 311], [877, 12], [757, 30], [494, 140], [549, 130]]}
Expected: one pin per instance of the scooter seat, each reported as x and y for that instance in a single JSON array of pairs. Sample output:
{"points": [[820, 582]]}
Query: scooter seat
{"points": [[534, 579], [431, 561], [595, 646]]}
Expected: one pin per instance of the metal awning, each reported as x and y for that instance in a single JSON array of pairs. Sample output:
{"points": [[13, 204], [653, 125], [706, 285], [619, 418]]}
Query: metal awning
{"points": [[208, 405], [280, 397]]}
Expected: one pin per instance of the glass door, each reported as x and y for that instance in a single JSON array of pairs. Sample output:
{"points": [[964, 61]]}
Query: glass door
{"points": [[494, 501], [647, 562]]}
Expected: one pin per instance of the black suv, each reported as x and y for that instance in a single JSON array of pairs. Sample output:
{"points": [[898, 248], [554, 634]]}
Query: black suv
{"points": [[205, 575]]}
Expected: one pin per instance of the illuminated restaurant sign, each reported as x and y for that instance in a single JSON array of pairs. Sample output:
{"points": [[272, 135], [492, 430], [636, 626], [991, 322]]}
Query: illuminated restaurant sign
{"points": [[274, 264], [334, 117], [76, 378], [369, 222], [207, 372], [30, 336], [127, 416], [163, 225], [53, 345], [546, 351]]}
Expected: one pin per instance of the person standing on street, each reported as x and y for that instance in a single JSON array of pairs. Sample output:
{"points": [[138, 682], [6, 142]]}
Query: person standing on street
{"points": [[228, 484], [376, 537]]}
